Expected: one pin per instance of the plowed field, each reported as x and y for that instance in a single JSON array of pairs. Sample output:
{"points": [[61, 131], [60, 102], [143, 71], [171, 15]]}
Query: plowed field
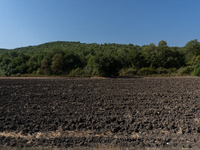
{"points": [[85, 112]]}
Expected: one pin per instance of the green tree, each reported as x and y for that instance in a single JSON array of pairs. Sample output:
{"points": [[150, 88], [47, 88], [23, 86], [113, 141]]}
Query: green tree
{"points": [[136, 59], [196, 71], [45, 66], [195, 60], [122, 54], [72, 61], [19, 63], [149, 53], [107, 65], [57, 64], [162, 43], [193, 47], [34, 63], [168, 58], [90, 67]]}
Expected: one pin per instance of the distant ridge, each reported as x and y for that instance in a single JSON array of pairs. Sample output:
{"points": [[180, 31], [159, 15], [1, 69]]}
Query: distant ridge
{"points": [[48, 44], [3, 50], [64, 45]]}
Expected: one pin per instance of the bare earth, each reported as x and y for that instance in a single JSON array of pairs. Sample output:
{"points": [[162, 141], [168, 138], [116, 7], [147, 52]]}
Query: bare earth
{"points": [[127, 112]]}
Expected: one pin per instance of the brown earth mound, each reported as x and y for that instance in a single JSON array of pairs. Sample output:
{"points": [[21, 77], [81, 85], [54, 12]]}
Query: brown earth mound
{"points": [[126, 112]]}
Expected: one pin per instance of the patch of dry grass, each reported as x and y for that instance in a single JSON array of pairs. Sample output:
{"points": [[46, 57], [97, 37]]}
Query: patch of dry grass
{"points": [[53, 134]]}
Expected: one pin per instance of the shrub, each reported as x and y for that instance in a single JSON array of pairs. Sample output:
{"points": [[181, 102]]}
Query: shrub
{"points": [[171, 70], [146, 71], [18, 74], [196, 71], [185, 70], [2, 72], [39, 71], [76, 72], [128, 72], [161, 70]]}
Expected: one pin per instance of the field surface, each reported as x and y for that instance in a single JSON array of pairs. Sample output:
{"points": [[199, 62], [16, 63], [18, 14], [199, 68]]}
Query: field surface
{"points": [[148, 112]]}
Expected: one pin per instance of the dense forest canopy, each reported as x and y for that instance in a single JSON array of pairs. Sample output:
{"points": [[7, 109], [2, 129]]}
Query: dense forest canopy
{"points": [[109, 59]]}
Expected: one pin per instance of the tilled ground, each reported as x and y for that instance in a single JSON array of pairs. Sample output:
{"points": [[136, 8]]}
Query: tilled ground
{"points": [[125, 112]]}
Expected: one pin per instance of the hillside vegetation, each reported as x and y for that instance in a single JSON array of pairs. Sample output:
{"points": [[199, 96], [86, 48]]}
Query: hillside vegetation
{"points": [[80, 59]]}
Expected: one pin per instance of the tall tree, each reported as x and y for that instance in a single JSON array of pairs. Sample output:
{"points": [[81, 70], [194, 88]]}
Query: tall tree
{"points": [[57, 64], [162, 43]]}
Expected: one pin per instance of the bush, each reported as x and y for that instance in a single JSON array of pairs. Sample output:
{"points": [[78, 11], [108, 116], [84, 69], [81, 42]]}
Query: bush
{"points": [[171, 70], [128, 72], [185, 70], [146, 71], [39, 71], [18, 74], [76, 72], [161, 70], [2, 72], [196, 71]]}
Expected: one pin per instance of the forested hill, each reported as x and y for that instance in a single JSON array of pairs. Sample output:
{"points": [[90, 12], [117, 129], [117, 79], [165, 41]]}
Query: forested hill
{"points": [[62, 45], [109, 59], [3, 50]]}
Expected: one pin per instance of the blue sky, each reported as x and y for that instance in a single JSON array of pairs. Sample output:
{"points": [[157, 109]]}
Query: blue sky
{"points": [[140, 22]]}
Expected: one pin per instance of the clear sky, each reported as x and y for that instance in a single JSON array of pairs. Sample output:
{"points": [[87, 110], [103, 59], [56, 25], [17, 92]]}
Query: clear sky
{"points": [[140, 22]]}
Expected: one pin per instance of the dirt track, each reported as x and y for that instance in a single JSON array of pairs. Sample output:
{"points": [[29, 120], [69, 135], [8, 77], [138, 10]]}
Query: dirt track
{"points": [[129, 112]]}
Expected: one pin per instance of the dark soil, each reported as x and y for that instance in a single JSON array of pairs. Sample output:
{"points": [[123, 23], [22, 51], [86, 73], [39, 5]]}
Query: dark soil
{"points": [[125, 112]]}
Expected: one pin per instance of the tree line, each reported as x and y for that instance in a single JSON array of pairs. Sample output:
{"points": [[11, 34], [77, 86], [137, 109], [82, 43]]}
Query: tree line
{"points": [[109, 59]]}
